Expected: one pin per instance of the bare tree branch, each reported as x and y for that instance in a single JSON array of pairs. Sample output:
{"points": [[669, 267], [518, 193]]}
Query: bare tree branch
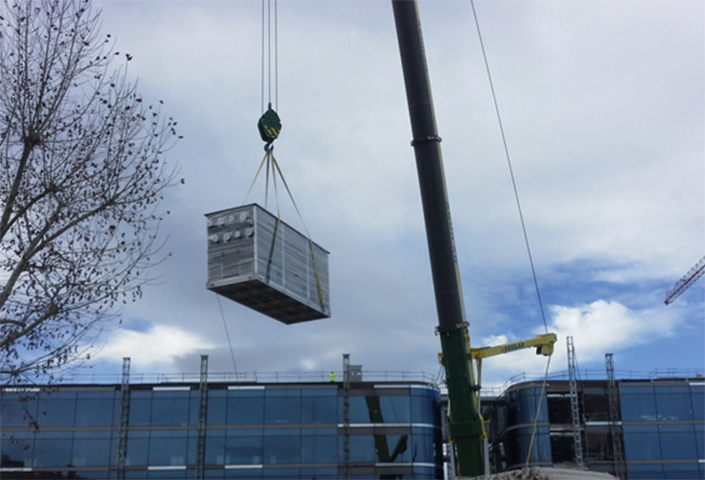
{"points": [[81, 177]]}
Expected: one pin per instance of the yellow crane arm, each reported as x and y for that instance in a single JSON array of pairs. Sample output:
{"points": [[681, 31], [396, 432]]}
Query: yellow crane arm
{"points": [[543, 343], [544, 346]]}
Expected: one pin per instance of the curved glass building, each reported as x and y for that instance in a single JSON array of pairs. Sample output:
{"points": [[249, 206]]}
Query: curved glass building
{"points": [[639, 429]]}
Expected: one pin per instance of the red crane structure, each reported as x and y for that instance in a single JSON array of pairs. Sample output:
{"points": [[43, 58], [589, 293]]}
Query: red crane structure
{"points": [[688, 279]]}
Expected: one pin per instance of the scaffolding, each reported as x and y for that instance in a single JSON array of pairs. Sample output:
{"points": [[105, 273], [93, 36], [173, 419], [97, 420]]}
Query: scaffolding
{"points": [[202, 415], [574, 404], [124, 417], [616, 432], [346, 415]]}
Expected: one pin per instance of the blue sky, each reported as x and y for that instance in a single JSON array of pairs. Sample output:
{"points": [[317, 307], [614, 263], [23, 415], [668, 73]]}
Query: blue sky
{"points": [[603, 106]]}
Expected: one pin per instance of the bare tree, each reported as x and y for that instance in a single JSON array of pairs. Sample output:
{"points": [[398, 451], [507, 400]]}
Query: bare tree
{"points": [[81, 176]]}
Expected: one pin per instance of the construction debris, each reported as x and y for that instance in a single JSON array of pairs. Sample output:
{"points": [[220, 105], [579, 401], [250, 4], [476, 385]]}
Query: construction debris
{"points": [[542, 473]]}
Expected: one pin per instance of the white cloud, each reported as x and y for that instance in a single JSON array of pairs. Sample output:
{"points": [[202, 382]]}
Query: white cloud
{"points": [[597, 328], [603, 326], [160, 346], [607, 154], [493, 340]]}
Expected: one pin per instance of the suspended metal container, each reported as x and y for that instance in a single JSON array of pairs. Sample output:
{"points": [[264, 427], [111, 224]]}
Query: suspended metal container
{"points": [[261, 262]]}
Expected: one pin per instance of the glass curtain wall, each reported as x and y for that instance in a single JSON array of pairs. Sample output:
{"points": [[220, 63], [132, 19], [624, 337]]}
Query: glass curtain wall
{"points": [[519, 441], [253, 431], [663, 424], [664, 430]]}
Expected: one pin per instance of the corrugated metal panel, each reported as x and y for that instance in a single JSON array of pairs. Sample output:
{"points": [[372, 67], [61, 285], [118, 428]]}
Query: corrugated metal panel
{"points": [[261, 262]]}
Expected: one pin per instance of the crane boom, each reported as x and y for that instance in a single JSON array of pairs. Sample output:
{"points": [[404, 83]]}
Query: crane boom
{"points": [[543, 343], [465, 423], [684, 283]]}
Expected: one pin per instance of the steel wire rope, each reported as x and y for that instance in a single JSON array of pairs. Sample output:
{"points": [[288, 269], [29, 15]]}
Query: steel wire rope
{"points": [[269, 51], [523, 223], [269, 162], [227, 335], [274, 182], [270, 35], [262, 72], [509, 163], [267, 65], [538, 412], [276, 57], [268, 156], [303, 223]]}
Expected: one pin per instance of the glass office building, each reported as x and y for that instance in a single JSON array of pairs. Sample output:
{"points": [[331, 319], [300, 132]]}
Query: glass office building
{"points": [[254, 431], [655, 431], [664, 429]]}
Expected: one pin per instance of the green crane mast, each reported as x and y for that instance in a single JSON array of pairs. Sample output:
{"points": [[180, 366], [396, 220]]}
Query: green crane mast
{"points": [[465, 423]]}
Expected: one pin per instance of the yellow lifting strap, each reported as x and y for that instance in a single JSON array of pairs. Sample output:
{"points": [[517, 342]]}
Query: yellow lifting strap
{"points": [[273, 165]]}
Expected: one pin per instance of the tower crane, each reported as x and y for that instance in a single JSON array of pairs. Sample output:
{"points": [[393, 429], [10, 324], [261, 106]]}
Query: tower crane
{"points": [[684, 283]]}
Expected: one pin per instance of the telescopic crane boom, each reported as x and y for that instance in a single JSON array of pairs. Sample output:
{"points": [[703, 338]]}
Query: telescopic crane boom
{"points": [[465, 424]]}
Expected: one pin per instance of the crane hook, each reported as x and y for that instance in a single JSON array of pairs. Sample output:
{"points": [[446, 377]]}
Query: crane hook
{"points": [[269, 126]]}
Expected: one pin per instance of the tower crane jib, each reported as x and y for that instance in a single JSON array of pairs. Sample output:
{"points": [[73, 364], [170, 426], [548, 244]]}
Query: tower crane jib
{"points": [[684, 283]]}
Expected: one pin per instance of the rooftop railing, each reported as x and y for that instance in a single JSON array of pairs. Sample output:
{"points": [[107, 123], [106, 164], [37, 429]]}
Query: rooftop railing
{"points": [[367, 376], [666, 373], [240, 377]]}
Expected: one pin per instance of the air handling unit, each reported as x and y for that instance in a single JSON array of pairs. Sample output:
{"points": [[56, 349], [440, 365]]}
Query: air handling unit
{"points": [[261, 262]]}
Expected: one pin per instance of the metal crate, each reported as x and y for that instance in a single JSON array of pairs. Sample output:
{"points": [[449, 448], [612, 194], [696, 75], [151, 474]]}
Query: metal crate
{"points": [[261, 262]]}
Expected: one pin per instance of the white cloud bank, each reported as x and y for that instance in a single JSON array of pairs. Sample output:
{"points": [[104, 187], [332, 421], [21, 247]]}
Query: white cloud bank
{"points": [[597, 328], [603, 117], [159, 346], [604, 326]]}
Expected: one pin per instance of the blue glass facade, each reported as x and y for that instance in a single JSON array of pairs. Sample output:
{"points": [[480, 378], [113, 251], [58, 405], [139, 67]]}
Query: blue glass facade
{"points": [[664, 429], [661, 427], [523, 405], [251, 431]]}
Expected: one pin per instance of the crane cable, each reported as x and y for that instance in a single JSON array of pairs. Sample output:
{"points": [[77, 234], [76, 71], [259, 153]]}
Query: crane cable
{"points": [[273, 166], [523, 224], [509, 163], [269, 126], [267, 36], [227, 335], [538, 412]]}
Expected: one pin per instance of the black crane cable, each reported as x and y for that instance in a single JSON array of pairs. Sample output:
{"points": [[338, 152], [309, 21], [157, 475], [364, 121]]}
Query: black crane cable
{"points": [[523, 227], [227, 335], [269, 36], [509, 163]]}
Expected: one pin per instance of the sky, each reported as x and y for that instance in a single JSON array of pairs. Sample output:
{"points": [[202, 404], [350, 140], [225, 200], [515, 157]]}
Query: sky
{"points": [[603, 109]]}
